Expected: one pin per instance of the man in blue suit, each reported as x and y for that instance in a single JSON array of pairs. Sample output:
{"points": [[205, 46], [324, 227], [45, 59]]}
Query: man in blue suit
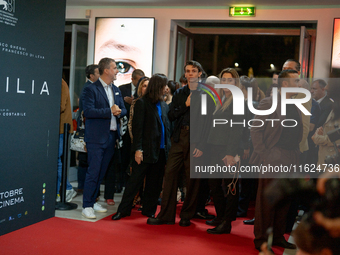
{"points": [[103, 105]]}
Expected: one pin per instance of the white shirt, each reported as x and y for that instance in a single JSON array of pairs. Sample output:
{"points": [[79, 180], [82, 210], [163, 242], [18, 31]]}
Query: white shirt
{"points": [[109, 94], [320, 100], [133, 89]]}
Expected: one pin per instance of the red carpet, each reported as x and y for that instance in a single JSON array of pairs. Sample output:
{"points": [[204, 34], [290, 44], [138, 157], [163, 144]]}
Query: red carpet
{"points": [[130, 235]]}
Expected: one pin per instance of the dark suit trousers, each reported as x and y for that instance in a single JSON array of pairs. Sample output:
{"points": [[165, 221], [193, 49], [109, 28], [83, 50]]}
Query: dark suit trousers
{"points": [[248, 188], [82, 169], [153, 174], [99, 156], [265, 215], [203, 195], [226, 207], [178, 156]]}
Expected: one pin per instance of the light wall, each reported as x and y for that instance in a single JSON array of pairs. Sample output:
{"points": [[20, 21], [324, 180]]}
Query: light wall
{"points": [[163, 30]]}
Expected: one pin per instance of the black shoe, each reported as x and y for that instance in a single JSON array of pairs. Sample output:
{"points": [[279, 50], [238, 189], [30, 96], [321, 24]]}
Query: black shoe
{"points": [[118, 216], [284, 244], [184, 223], [249, 222], [223, 228], [157, 221], [204, 215], [215, 222]]}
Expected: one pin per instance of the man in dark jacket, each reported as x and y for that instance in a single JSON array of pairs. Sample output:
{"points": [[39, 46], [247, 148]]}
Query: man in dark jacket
{"points": [[275, 145], [180, 152]]}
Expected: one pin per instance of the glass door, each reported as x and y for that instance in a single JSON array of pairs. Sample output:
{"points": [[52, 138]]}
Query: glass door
{"points": [[216, 36], [184, 50], [75, 61], [78, 63], [304, 53]]}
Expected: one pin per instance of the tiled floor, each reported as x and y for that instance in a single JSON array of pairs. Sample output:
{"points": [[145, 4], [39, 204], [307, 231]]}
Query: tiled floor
{"points": [[76, 213]]}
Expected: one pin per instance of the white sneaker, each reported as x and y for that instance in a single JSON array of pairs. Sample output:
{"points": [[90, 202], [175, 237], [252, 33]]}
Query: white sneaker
{"points": [[88, 212], [70, 194], [98, 208]]}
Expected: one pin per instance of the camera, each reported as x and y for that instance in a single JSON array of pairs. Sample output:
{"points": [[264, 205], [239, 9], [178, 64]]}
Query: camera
{"points": [[333, 136], [281, 189]]}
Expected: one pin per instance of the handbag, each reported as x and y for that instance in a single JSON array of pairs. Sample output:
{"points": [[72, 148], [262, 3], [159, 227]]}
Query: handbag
{"points": [[78, 141]]}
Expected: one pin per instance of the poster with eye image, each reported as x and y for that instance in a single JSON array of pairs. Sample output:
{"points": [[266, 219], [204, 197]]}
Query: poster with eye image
{"points": [[31, 58], [129, 41], [336, 45]]}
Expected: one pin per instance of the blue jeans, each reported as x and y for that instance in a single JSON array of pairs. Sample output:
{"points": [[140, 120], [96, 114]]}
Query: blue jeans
{"points": [[60, 164]]}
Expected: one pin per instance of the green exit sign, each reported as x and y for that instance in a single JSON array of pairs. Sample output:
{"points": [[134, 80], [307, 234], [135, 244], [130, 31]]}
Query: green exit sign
{"points": [[242, 11]]}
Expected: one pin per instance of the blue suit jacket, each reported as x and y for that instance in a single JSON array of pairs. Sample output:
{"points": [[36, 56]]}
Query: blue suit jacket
{"points": [[97, 112], [81, 102]]}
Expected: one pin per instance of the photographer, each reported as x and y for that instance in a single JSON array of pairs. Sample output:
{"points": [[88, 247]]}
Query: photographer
{"points": [[318, 233], [331, 225], [311, 239], [320, 137]]}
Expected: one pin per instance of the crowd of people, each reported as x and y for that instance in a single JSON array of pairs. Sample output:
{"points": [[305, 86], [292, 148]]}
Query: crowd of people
{"points": [[143, 129]]}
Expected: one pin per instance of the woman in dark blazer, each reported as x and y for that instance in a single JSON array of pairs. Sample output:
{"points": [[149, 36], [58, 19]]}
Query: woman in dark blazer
{"points": [[151, 143], [224, 141]]}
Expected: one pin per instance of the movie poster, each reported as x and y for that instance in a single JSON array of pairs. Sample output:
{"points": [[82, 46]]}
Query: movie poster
{"points": [[31, 55]]}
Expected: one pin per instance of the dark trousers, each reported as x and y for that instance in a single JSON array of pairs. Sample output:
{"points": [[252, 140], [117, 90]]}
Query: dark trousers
{"points": [[266, 216], [125, 160], [225, 206], [82, 169], [247, 185], [248, 189], [203, 195], [295, 201], [153, 174], [99, 156], [110, 177], [178, 156]]}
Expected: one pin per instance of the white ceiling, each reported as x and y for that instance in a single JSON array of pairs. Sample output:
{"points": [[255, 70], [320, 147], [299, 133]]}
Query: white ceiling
{"points": [[192, 3]]}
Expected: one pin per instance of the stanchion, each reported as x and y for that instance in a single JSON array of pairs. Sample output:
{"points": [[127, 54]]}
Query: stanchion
{"points": [[63, 205]]}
